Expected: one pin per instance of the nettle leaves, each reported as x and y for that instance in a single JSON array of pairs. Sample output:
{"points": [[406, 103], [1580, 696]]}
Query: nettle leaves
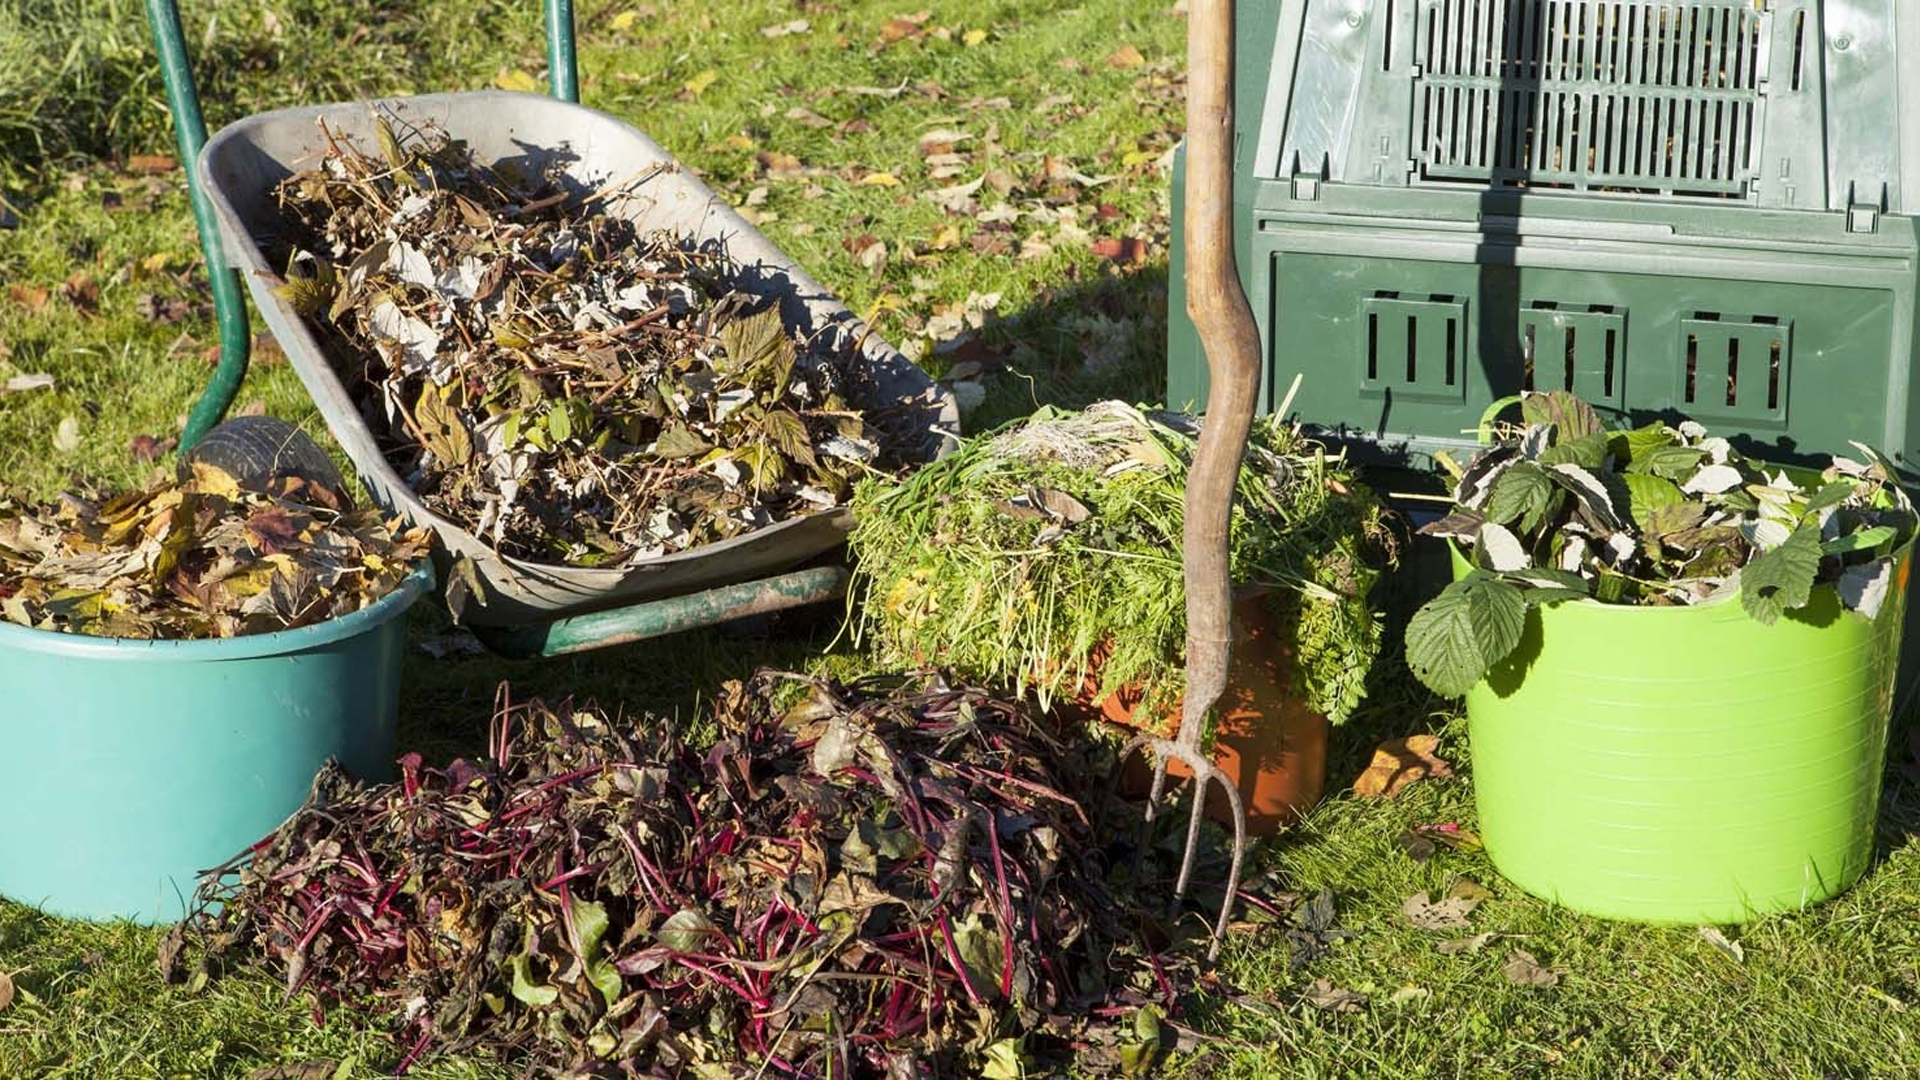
{"points": [[1562, 508]]}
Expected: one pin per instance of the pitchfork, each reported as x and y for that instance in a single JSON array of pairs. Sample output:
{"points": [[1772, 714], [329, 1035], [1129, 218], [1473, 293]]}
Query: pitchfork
{"points": [[1232, 344]]}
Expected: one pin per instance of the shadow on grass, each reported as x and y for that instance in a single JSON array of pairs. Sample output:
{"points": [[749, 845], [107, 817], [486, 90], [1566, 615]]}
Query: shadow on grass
{"points": [[1078, 342], [448, 704]]}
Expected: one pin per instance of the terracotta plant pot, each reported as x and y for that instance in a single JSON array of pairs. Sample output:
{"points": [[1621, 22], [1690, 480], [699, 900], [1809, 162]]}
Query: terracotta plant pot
{"points": [[1268, 742]]}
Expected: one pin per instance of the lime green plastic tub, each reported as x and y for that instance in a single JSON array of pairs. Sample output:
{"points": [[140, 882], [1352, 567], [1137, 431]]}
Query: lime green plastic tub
{"points": [[127, 767], [1686, 764]]}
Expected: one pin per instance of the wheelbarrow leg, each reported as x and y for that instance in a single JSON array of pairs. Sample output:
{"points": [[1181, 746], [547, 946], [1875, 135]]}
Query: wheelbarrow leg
{"points": [[229, 303]]}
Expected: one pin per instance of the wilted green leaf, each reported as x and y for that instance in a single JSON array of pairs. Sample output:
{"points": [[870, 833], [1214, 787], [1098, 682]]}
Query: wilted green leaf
{"points": [[1863, 540], [685, 930], [1648, 494], [1572, 417], [442, 431], [753, 342], [679, 441], [524, 988], [1781, 580]]}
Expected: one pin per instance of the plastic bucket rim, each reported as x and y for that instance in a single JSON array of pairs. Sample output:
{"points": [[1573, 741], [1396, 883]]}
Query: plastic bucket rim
{"points": [[244, 647]]}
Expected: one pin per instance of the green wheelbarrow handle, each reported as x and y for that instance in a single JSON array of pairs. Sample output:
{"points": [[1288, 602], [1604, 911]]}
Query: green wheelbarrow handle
{"points": [[190, 130]]}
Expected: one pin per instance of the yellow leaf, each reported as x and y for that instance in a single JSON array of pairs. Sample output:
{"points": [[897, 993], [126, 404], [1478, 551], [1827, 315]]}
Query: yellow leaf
{"points": [[515, 80], [973, 37], [1399, 762], [699, 83], [213, 480], [1126, 56], [741, 142], [947, 238], [156, 263], [624, 19], [1139, 157], [880, 179], [373, 562]]}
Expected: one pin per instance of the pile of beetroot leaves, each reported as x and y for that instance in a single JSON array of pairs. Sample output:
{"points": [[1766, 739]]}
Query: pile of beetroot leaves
{"points": [[888, 879]]}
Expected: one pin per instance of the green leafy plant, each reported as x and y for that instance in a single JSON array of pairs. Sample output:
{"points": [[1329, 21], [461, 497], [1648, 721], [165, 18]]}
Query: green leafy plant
{"points": [[1046, 556], [1563, 508]]}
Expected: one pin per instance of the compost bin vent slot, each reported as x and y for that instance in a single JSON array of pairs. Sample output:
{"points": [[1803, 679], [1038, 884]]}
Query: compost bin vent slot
{"points": [[1615, 97], [1579, 347], [1736, 368], [1416, 346]]}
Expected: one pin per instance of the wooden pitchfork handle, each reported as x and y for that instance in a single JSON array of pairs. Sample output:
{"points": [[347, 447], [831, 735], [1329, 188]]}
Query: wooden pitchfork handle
{"points": [[1219, 309]]}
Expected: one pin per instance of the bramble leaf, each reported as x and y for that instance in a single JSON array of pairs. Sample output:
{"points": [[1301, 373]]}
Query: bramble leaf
{"points": [[1573, 417], [1521, 495], [1455, 637], [1780, 580], [1647, 495], [1587, 451]]}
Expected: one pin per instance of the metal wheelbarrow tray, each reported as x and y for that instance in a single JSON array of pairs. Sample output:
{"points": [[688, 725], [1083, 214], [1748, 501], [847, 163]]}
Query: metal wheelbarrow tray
{"points": [[245, 161]]}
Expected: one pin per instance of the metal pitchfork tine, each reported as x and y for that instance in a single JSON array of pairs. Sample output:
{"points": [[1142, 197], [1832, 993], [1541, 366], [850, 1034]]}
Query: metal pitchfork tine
{"points": [[1232, 343]]}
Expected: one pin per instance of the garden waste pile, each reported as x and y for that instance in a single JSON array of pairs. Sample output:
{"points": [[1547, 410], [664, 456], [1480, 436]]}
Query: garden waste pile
{"points": [[555, 381], [895, 878]]}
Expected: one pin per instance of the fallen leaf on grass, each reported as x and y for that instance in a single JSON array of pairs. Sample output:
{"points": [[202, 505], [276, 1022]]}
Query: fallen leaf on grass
{"points": [[1126, 250], [6, 991], [162, 310], [1423, 842], [66, 437], [1407, 994], [1449, 912], [1324, 995], [173, 948], [1713, 937], [20, 384], [1523, 969], [698, 85], [797, 26], [147, 449], [1466, 944], [151, 163], [1883, 997], [1399, 762], [83, 293], [30, 297], [515, 80], [1126, 56]]}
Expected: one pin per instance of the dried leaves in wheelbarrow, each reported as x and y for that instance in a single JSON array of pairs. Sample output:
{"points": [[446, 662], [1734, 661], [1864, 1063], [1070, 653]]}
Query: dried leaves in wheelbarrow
{"points": [[562, 385], [203, 558], [883, 880]]}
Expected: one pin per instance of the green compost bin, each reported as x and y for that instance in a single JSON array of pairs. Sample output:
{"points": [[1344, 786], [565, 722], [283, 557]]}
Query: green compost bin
{"points": [[1686, 764], [131, 766]]}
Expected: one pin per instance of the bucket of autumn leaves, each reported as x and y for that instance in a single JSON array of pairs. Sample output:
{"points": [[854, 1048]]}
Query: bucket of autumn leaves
{"points": [[178, 662]]}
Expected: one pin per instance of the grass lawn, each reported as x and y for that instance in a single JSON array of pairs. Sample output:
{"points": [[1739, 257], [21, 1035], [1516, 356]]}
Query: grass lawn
{"points": [[833, 133]]}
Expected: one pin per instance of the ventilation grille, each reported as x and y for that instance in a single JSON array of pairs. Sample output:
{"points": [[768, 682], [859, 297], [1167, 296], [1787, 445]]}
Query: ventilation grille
{"points": [[1638, 98]]}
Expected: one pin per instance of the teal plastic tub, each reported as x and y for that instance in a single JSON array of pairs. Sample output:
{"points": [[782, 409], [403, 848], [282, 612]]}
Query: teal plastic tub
{"points": [[127, 767], [1686, 764]]}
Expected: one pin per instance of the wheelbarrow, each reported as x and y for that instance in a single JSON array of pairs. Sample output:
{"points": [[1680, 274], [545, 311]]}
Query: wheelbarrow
{"points": [[517, 607]]}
